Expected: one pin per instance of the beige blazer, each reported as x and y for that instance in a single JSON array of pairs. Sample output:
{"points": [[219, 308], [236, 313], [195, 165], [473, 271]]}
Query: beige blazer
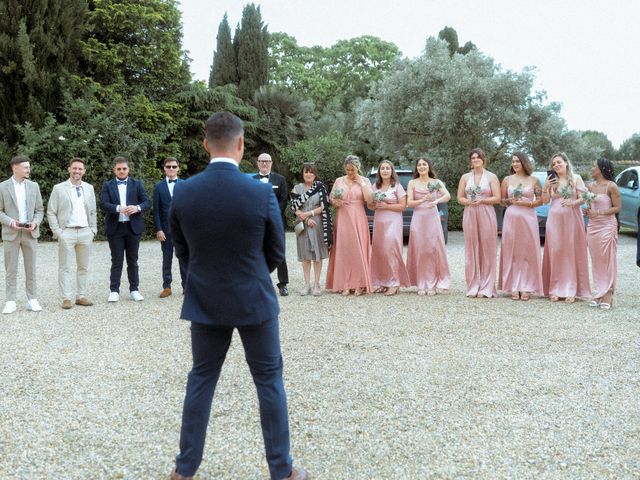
{"points": [[60, 207], [9, 208]]}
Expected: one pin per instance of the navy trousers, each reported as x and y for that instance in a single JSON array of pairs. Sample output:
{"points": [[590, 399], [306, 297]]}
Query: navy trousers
{"points": [[124, 241], [209, 346], [167, 258]]}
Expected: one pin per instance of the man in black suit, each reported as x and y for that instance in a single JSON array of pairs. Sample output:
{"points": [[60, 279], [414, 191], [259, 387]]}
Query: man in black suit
{"points": [[123, 201], [162, 195], [282, 194], [230, 243]]}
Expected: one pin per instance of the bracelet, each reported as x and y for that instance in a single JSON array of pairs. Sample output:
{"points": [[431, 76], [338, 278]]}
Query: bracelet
{"points": [[312, 214]]}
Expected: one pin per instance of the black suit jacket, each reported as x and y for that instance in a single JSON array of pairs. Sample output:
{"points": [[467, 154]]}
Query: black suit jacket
{"points": [[279, 185], [110, 200], [162, 204], [227, 228]]}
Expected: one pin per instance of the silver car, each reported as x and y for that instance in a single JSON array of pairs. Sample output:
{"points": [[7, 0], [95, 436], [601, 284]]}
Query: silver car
{"points": [[629, 187]]}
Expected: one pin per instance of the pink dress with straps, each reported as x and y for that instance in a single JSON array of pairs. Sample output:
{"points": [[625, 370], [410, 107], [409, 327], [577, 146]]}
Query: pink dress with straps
{"points": [[520, 257], [349, 266], [480, 242], [602, 239], [387, 264], [427, 256]]}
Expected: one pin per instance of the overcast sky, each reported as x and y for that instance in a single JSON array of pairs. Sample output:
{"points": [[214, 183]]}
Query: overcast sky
{"points": [[586, 52]]}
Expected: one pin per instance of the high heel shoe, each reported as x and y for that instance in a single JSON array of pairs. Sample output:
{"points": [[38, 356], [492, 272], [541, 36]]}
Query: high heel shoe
{"points": [[570, 300], [391, 291], [380, 290], [515, 295], [346, 293], [524, 297], [553, 298], [358, 292]]}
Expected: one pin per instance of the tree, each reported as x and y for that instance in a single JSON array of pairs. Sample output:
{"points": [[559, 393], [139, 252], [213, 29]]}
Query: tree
{"points": [[630, 148], [252, 44], [39, 48], [599, 143], [449, 35], [225, 65]]}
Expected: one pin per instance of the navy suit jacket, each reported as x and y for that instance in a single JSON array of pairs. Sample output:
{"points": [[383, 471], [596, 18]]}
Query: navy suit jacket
{"points": [[110, 200], [162, 204], [228, 230]]}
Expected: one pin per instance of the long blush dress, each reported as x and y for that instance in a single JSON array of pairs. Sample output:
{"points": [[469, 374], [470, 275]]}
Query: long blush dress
{"points": [[602, 239], [349, 266], [520, 258], [387, 264], [426, 256], [565, 267], [480, 242]]}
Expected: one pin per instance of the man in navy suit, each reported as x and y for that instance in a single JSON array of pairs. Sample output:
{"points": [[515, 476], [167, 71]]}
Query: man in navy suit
{"points": [[162, 195], [227, 229], [123, 201], [279, 185]]}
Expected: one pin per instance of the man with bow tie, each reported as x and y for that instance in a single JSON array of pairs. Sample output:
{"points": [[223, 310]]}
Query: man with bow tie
{"points": [[282, 194], [123, 201], [162, 195]]}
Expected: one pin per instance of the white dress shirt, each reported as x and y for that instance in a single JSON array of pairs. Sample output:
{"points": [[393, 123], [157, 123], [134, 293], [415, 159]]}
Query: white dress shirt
{"points": [[21, 198], [78, 217], [122, 192]]}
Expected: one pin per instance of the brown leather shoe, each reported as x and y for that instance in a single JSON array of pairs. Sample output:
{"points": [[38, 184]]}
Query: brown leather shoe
{"points": [[66, 304], [297, 474], [176, 476], [85, 302], [165, 293]]}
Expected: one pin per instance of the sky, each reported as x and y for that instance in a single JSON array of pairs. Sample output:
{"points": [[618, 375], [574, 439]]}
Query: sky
{"points": [[585, 52]]}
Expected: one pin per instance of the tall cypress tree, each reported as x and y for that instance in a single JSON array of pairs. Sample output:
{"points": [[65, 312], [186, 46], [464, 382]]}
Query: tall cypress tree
{"points": [[253, 52], [39, 49], [225, 66]]}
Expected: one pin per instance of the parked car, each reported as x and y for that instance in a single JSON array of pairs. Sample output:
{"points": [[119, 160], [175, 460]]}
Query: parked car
{"points": [[629, 187], [404, 175]]}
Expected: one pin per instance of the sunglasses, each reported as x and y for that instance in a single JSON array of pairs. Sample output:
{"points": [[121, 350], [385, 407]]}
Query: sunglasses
{"points": [[171, 166]]}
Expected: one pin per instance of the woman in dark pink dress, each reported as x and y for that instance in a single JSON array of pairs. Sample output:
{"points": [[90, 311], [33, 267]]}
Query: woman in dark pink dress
{"points": [[388, 272], [520, 259], [479, 191], [427, 257], [349, 267], [565, 267], [602, 231]]}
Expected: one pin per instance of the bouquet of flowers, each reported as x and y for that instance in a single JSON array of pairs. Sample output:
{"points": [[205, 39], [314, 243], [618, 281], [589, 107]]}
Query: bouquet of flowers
{"points": [[566, 192], [472, 193], [588, 197], [518, 192], [379, 196], [433, 186], [338, 193]]}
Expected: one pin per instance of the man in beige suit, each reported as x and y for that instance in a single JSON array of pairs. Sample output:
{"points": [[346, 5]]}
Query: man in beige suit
{"points": [[21, 212], [71, 212]]}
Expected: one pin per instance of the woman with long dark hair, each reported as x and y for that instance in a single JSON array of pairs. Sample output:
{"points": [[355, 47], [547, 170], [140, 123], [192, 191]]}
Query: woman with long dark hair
{"points": [[603, 203]]}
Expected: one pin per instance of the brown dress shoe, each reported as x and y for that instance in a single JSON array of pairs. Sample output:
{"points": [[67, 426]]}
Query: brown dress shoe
{"points": [[165, 293], [298, 474], [66, 304], [85, 302], [176, 476]]}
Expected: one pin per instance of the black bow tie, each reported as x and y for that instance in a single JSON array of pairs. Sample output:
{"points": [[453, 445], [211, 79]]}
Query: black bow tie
{"points": [[172, 181], [264, 176], [121, 182]]}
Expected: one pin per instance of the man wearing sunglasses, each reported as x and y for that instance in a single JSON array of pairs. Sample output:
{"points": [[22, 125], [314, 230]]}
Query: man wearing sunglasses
{"points": [[162, 196], [72, 215]]}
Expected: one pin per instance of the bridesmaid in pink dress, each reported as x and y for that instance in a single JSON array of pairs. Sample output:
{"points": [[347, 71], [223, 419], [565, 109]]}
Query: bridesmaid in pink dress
{"points": [[427, 257], [602, 232], [479, 191], [520, 259], [349, 268], [388, 272], [565, 267]]}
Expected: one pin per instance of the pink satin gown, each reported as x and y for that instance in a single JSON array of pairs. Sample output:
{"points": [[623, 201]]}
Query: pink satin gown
{"points": [[387, 263], [480, 243], [427, 257], [602, 239], [520, 257], [565, 267], [349, 266]]}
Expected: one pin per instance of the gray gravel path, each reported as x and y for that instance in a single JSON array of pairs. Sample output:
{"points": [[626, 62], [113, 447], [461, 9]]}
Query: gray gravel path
{"points": [[379, 387]]}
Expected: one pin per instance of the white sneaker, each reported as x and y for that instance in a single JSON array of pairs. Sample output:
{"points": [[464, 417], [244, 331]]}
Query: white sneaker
{"points": [[113, 297], [9, 307], [136, 297], [33, 305]]}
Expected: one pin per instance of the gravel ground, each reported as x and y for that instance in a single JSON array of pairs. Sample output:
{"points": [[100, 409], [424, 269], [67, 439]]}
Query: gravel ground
{"points": [[379, 387]]}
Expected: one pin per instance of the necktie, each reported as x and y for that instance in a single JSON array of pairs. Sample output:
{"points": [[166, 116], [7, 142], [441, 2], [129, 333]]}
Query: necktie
{"points": [[78, 192], [264, 176], [121, 182]]}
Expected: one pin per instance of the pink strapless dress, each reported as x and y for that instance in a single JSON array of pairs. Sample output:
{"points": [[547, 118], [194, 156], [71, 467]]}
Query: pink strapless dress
{"points": [[387, 264], [480, 243], [426, 256], [349, 266], [565, 267], [520, 257], [602, 239]]}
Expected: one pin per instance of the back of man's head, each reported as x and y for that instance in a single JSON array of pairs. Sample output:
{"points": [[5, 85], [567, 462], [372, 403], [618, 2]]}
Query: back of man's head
{"points": [[222, 128]]}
